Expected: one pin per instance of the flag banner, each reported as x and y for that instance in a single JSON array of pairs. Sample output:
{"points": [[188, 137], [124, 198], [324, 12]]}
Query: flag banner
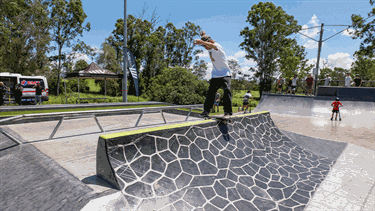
{"points": [[133, 69]]}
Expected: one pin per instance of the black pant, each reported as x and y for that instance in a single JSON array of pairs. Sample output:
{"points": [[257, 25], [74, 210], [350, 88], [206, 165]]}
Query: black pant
{"points": [[18, 98], [1, 99], [215, 84]]}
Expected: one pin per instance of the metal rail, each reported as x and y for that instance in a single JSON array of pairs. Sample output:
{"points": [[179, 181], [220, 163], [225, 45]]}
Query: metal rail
{"points": [[94, 113]]}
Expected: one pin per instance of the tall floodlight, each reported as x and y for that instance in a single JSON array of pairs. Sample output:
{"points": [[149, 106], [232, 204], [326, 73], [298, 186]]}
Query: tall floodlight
{"points": [[125, 75]]}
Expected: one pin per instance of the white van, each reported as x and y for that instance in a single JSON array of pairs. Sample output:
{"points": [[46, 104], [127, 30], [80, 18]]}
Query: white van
{"points": [[28, 82]]}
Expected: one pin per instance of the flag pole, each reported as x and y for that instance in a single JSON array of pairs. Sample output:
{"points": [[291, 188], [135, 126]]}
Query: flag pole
{"points": [[125, 75]]}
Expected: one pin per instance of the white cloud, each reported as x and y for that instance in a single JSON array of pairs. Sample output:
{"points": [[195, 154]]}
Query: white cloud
{"points": [[310, 44], [203, 55], [79, 56], [338, 59], [239, 54], [232, 58], [342, 60], [209, 71], [313, 33], [347, 32], [249, 62]]}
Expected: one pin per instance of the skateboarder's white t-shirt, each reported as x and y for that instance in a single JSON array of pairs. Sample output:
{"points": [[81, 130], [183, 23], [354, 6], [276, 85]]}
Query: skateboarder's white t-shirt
{"points": [[219, 62]]}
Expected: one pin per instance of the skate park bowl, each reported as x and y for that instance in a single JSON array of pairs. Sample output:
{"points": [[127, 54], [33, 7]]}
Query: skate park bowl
{"points": [[248, 164]]}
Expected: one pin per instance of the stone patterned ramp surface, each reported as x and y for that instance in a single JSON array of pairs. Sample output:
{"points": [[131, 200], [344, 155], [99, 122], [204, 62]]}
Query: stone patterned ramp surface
{"points": [[244, 165]]}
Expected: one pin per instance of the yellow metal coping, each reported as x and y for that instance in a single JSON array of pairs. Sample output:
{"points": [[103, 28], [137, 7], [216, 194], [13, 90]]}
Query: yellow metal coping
{"points": [[144, 130]]}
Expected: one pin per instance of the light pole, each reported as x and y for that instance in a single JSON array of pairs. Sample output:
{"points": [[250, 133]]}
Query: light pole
{"points": [[125, 75], [317, 62]]}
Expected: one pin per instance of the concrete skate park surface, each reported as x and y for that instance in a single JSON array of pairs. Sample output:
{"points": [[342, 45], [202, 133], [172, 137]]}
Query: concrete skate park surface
{"points": [[351, 181], [61, 174], [244, 165]]}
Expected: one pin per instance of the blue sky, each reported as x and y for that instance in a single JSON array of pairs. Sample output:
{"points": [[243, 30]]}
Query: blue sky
{"points": [[223, 21]]}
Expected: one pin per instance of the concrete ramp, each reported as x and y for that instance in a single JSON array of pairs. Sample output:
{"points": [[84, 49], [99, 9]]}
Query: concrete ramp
{"points": [[352, 111], [205, 165], [286, 104]]}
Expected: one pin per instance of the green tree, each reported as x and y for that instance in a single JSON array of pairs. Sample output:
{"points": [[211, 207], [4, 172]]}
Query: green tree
{"points": [[155, 48], [67, 18], [234, 67], [265, 42], [24, 36], [364, 29], [179, 86], [80, 65], [365, 67], [200, 69], [107, 58]]}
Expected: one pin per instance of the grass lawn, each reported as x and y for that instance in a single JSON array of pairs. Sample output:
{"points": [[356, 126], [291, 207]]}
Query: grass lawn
{"points": [[72, 97]]}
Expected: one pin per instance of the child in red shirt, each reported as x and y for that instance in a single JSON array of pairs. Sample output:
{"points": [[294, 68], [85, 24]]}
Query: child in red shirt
{"points": [[336, 104]]}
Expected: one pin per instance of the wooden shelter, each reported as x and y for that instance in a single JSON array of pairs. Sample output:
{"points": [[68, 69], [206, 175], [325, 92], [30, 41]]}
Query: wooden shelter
{"points": [[93, 71]]}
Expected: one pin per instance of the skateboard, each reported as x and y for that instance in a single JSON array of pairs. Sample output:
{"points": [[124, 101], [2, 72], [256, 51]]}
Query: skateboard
{"points": [[220, 119]]}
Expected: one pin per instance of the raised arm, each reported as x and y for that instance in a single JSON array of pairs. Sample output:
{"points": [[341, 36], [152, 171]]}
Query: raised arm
{"points": [[206, 44]]}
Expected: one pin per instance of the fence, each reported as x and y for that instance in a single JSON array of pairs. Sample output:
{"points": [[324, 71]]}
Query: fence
{"points": [[61, 116], [301, 85]]}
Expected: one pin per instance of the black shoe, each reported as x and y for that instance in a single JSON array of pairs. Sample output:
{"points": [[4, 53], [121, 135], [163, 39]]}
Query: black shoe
{"points": [[204, 114]]}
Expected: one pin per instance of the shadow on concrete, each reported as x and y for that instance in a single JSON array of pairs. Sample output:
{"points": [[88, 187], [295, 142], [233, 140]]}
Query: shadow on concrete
{"points": [[96, 180]]}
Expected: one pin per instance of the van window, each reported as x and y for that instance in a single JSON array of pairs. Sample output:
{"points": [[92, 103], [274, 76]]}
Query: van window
{"points": [[31, 82], [8, 81]]}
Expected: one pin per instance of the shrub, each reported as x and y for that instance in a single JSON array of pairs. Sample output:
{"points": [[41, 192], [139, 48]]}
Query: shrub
{"points": [[178, 86]]}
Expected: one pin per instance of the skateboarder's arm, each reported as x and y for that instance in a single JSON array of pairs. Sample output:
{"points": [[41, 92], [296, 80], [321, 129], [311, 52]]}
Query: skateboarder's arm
{"points": [[207, 44]]}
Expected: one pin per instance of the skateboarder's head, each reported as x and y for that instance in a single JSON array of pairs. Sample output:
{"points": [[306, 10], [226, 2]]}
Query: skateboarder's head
{"points": [[206, 38], [357, 75], [337, 99], [347, 74], [295, 75], [248, 91]]}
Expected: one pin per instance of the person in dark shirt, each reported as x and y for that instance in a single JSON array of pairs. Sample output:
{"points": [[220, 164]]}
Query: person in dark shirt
{"points": [[18, 93], [358, 81], [289, 86], [280, 84], [3, 89], [38, 94]]}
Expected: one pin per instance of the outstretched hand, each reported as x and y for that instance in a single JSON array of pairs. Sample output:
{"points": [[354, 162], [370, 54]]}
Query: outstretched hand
{"points": [[197, 42]]}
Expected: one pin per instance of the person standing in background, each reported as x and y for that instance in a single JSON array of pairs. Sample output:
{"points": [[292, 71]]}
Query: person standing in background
{"points": [[357, 81], [348, 80]]}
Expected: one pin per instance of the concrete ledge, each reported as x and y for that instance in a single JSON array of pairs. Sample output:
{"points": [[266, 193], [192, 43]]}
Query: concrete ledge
{"points": [[348, 93]]}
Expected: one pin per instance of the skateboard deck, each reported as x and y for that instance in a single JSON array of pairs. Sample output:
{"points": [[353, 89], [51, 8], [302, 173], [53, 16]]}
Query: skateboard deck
{"points": [[219, 118]]}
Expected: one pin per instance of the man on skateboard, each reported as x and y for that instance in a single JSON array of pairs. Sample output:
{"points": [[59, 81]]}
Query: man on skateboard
{"points": [[336, 104], [220, 78]]}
